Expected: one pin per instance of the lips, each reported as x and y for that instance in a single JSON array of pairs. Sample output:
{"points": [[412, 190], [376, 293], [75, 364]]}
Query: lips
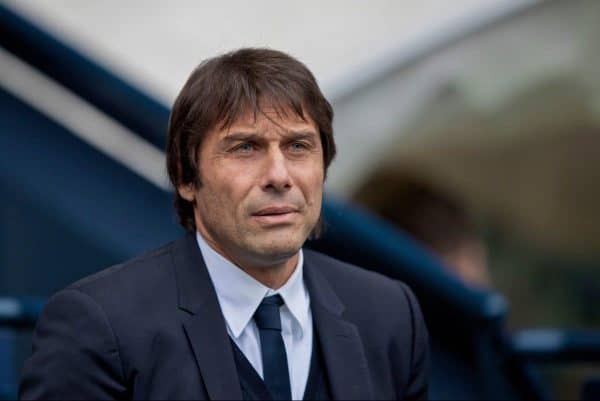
{"points": [[275, 211], [276, 216]]}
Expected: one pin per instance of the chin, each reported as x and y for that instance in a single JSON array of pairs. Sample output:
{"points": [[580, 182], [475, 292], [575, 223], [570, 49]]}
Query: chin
{"points": [[277, 249], [280, 251]]}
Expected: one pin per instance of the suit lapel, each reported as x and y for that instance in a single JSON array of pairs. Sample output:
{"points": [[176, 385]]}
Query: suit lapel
{"points": [[342, 348], [205, 329], [341, 345]]}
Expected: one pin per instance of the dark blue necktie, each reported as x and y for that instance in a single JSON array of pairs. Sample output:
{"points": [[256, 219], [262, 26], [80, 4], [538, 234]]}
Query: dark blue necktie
{"points": [[275, 367]]}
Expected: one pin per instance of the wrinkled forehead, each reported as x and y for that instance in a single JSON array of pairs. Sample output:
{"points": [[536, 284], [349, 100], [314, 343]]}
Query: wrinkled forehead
{"points": [[252, 112], [269, 116]]}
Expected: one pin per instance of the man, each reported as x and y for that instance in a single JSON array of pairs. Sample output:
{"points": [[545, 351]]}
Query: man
{"points": [[236, 309]]}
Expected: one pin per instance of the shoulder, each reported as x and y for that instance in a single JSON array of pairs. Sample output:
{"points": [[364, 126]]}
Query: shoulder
{"points": [[369, 298], [348, 277], [133, 272], [103, 304], [128, 288], [386, 314], [86, 331]]}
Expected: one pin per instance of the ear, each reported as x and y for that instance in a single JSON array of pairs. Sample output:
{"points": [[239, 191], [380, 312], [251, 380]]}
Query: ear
{"points": [[187, 192]]}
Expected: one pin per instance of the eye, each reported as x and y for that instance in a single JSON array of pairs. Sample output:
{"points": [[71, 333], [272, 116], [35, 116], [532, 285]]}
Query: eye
{"points": [[298, 146], [245, 147]]}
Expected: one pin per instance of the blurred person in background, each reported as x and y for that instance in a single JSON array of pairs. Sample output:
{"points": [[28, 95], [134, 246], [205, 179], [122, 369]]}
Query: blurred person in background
{"points": [[434, 218], [236, 309]]}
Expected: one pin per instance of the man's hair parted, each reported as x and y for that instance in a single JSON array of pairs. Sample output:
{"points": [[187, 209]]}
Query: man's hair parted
{"points": [[222, 89]]}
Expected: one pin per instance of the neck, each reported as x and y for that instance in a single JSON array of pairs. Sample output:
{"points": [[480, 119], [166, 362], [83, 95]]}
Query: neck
{"points": [[272, 276], [272, 273]]}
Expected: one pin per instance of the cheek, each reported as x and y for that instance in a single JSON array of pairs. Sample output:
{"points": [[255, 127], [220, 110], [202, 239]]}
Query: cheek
{"points": [[227, 192], [311, 183]]}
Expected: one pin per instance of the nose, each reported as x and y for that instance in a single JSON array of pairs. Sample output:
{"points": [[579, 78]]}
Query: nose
{"points": [[276, 176]]}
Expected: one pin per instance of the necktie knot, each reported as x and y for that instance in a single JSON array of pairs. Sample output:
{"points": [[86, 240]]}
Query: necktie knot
{"points": [[267, 314]]}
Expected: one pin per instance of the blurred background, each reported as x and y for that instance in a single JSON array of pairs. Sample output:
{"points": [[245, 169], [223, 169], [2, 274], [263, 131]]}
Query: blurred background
{"points": [[468, 140]]}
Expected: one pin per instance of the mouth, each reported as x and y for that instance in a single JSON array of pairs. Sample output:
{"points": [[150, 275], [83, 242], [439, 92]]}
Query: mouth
{"points": [[275, 210], [275, 215]]}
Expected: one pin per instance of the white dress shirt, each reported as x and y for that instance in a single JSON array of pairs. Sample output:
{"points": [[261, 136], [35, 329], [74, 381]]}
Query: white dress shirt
{"points": [[239, 296]]}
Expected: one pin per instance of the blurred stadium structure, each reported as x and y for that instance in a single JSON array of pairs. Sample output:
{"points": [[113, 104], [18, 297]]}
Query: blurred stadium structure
{"points": [[502, 109]]}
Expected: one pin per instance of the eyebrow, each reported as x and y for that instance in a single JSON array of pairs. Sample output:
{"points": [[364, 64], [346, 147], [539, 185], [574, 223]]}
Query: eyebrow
{"points": [[240, 137], [253, 136], [305, 134]]}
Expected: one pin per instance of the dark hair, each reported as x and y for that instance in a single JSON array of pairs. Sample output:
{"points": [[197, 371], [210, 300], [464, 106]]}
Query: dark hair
{"points": [[222, 89], [428, 213]]}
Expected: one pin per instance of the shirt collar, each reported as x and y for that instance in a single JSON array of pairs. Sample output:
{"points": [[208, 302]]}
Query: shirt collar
{"points": [[239, 294]]}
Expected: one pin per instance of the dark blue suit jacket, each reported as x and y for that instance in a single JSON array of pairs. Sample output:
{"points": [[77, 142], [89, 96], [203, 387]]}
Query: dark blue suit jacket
{"points": [[152, 328]]}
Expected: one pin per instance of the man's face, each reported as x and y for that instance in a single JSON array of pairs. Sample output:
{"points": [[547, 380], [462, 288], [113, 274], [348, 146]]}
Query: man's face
{"points": [[261, 187]]}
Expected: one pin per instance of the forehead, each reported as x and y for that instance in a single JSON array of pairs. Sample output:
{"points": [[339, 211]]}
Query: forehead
{"points": [[271, 119]]}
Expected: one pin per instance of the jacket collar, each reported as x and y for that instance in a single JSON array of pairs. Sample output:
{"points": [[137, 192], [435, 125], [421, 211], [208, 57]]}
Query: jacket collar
{"points": [[341, 344], [240, 294], [342, 347], [205, 328]]}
